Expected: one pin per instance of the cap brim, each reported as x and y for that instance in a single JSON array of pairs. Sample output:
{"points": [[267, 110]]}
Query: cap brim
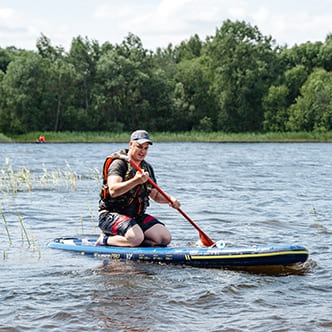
{"points": [[143, 140]]}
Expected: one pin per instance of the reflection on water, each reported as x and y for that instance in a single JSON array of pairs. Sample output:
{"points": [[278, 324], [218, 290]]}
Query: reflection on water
{"points": [[239, 193]]}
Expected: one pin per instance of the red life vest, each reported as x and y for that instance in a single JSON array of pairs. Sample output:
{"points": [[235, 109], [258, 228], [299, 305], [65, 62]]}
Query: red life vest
{"points": [[135, 201]]}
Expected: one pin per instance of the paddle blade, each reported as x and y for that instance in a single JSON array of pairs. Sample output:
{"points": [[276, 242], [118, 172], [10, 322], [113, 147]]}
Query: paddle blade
{"points": [[206, 241]]}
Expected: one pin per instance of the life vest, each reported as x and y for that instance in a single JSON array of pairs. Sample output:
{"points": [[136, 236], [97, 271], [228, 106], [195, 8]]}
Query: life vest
{"points": [[135, 201]]}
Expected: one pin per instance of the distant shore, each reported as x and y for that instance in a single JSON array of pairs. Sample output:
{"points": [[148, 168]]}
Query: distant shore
{"points": [[106, 137]]}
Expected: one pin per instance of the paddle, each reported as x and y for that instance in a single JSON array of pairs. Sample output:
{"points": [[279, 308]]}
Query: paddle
{"points": [[204, 238]]}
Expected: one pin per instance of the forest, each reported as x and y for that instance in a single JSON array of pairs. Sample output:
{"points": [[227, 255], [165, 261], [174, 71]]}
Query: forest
{"points": [[237, 80]]}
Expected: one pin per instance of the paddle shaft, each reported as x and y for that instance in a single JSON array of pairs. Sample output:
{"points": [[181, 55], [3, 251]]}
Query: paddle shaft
{"points": [[204, 238]]}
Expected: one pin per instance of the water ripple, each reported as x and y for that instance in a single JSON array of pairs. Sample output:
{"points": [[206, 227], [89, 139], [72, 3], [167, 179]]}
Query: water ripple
{"points": [[245, 194]]}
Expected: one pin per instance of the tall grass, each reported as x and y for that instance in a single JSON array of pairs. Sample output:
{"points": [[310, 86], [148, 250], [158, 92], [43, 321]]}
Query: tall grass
{"points": [[25, 236], [6, 226], [21, 179], [15, 180], [243, 137], [12, 180], [72, 137], [5, 139], [24, 232], [191, 136]]}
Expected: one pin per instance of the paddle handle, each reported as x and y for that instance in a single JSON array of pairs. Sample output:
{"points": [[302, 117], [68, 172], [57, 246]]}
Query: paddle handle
{"points": [[204, 238]]}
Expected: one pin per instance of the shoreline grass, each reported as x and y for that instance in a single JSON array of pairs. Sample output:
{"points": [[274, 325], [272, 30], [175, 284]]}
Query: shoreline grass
{"points": [[221, 137]]}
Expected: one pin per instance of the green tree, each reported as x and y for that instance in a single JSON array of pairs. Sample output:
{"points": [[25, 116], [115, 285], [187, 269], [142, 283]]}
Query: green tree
{"points": [[279, 98], [3, 114], [188, 50], [84, 55], [47, 51], [122, 74], [325, 54], [166, 59], [62, 83], [294, 79], [307, 55], [276, 109], [6, 56], [27, 95], [313, 109], [243, 66], [158, 95], [193, 98]]}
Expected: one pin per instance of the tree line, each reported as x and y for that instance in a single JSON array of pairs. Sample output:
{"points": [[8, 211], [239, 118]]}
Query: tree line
{"points": [[237, 80]]}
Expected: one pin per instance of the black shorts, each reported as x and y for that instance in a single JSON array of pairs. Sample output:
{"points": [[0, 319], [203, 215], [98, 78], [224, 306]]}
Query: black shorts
{"points": [[112, 223]]}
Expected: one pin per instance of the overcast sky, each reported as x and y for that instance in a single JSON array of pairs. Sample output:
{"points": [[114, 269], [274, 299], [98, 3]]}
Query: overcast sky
{"points": [[158, 22]]}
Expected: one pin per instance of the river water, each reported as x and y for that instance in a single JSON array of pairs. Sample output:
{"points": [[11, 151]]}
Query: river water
{"points": [[270, 193]]}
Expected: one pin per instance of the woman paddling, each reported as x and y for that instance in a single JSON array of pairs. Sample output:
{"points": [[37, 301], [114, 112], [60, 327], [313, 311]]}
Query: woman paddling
{"points": [[125, 198]]}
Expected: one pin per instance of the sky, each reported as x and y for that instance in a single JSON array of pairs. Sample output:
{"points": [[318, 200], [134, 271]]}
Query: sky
{"points": [[158, 22]]}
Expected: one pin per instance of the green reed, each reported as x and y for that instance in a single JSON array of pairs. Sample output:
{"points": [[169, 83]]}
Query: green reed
{"points": [[11, 181], [6, 226], [320, 228], [81, 223], [188, 136], [22, 179], [14, 181], [29, 238], [71, 176], [24, 232], [25, 236], [92, 219]]}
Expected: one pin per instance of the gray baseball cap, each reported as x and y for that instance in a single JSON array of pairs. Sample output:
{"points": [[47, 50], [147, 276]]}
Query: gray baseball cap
{"points": [[141, 136]]}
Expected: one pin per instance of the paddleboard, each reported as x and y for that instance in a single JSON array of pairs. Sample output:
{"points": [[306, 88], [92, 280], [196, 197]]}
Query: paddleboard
{"points": [[221, 256]]}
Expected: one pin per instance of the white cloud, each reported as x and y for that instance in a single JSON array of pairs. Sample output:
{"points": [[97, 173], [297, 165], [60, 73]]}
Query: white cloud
{"points": [[8, 18], [237, 13], [6, 13], [155, 23], [261, 15], [158, 22], [289, 29]]}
